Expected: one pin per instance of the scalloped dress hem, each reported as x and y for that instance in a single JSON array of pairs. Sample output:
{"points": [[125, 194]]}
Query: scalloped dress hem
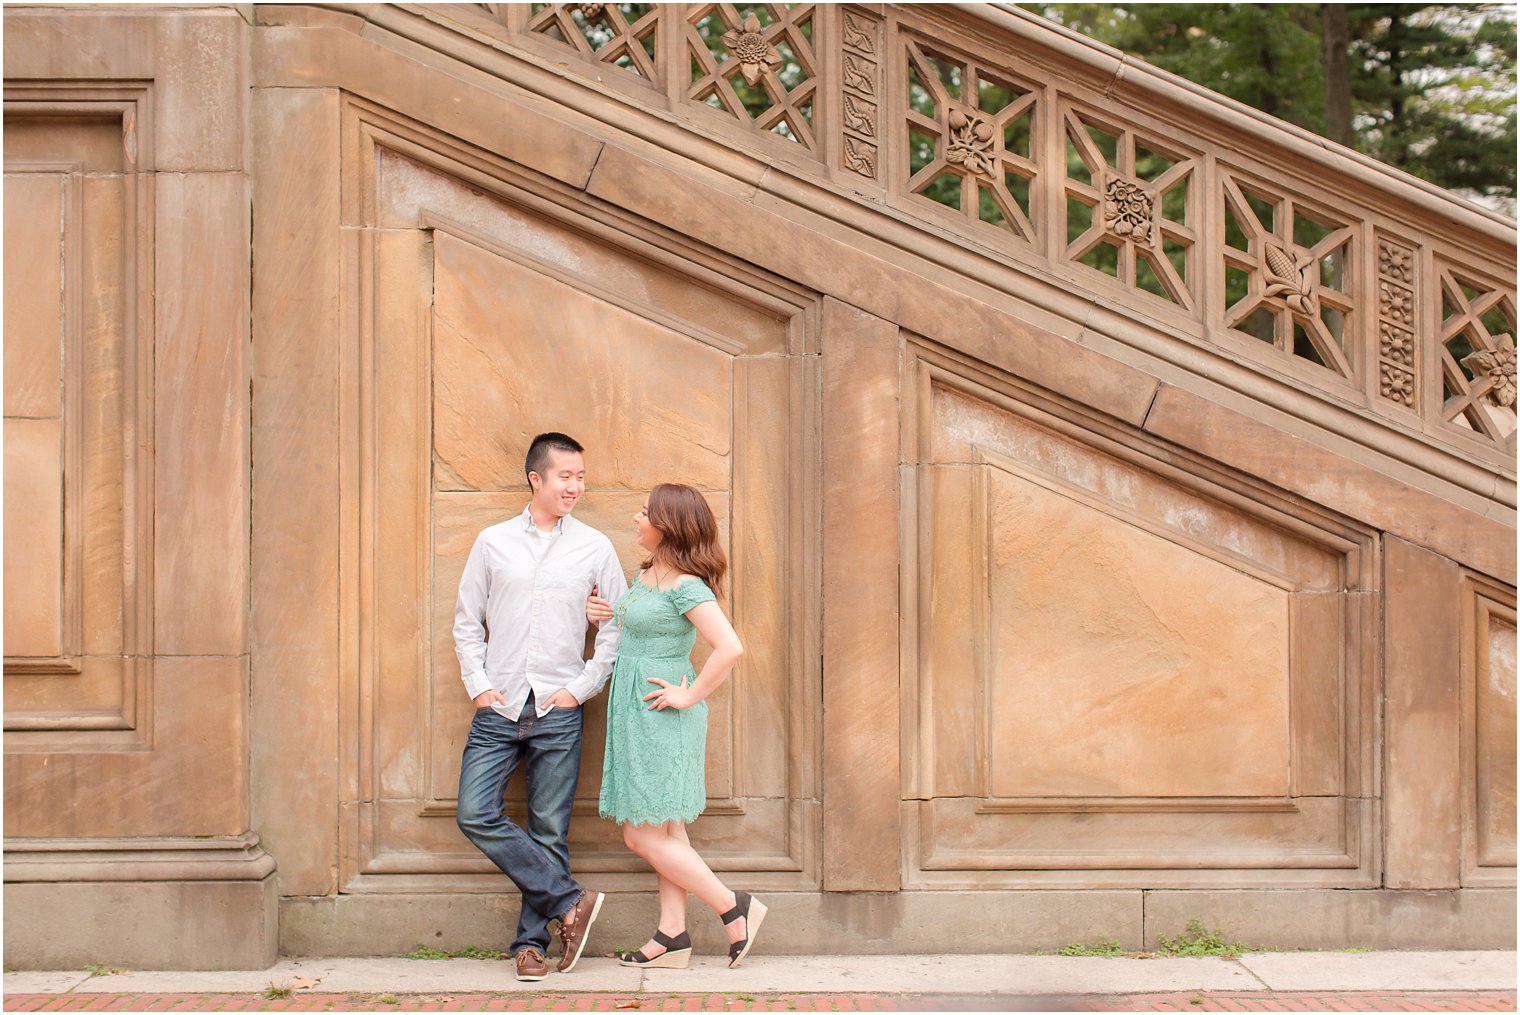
{"points": [[643, 820]]}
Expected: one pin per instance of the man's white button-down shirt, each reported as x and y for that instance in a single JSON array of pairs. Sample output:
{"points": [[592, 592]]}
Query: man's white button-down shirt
{"points": [[520, 621]]}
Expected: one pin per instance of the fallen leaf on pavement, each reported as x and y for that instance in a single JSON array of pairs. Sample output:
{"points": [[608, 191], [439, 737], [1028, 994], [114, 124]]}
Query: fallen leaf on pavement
{"points": [[302, 983]]}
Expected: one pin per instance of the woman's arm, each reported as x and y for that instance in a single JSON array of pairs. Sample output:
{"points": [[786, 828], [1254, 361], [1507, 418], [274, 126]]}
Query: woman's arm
{"points": [[713, 626]]}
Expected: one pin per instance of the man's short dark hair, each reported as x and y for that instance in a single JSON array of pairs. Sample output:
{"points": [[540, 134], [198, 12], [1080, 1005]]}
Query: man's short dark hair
{"points": [[538, 451]]}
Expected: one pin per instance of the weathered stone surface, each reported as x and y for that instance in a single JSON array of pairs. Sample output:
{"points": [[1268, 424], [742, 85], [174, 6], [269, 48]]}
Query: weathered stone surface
{"points": [[1489, 734], [963, 423], [201, 65], [296, 469], [1470, 918], [198, 61], [1351, 486], [110, 417], [324, 57], [961, 843], [1317, 624], [143, 924], [102, 692], [201, 494], [776, 697], [1422, 811], [33, 537], [1110, 646], [517, 353], [950, 745], [84, 144], [33, 296], [408, 192], [921, 304], [194, 781], [874, 922], [861, 780]]}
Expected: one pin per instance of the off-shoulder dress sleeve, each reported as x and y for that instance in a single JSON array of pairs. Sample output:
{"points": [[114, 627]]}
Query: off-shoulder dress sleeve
{"points": [[691, 593]]}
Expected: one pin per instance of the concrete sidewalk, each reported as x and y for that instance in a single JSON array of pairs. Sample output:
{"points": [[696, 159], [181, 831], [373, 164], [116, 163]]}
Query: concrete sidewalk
{"points": [[1000, 976]]}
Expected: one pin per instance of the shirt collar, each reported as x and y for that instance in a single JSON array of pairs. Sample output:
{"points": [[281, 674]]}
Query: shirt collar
{"points": [[532, 529]]}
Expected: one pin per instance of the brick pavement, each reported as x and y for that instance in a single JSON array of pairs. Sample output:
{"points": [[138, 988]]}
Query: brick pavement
{"points": [[1471, 1001]]}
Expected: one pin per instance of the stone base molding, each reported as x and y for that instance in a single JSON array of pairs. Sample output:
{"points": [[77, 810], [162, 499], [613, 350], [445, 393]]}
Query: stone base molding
{"points": [[877, 923], [191, 903]]}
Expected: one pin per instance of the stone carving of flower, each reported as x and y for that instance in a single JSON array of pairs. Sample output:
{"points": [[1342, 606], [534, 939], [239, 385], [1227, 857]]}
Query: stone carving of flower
{"points": [[1397, 384], [1498, 366], [1397, 344], [751, 49], [1397, 302], [1128, 210], [1395, 262], [970, 143], [1290, 277]]}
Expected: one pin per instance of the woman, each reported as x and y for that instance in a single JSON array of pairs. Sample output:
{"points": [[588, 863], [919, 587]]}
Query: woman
{"points": [[652, 780]]}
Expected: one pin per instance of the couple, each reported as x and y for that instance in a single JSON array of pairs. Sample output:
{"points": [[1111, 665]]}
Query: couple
{"points": [[529, 589]]}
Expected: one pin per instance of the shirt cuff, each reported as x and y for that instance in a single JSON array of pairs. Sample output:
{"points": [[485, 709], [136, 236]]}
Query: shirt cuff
{"points": [[476, 684], [582, 687]]}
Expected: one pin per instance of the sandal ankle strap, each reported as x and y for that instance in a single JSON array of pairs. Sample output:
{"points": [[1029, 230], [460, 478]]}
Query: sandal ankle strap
{"points": [[741, 908], [673, 944]]}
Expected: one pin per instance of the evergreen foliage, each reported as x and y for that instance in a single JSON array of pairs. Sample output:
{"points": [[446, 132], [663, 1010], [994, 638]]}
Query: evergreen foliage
{"points": [[1430, 87]]}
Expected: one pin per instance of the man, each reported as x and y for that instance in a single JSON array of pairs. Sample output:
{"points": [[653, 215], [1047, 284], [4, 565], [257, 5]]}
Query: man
{"points": [[520, 633]]}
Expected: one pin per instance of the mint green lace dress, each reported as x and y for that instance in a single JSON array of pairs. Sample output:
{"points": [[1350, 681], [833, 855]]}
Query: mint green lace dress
{"points": [[655, 764]]}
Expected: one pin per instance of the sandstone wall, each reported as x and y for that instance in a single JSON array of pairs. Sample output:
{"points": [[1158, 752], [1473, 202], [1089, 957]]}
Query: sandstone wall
{"points": [[1096, 573]]}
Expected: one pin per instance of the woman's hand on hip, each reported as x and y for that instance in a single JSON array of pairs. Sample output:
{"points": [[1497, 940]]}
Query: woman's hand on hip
{"points": [[670, 696]]}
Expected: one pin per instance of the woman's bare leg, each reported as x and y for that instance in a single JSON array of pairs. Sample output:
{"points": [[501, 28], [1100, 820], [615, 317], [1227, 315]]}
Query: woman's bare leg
{"points": [[669, 852]]}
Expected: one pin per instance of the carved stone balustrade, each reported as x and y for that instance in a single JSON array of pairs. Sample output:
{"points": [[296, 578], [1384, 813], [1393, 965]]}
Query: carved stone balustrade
{"points": [[1186, 214]]}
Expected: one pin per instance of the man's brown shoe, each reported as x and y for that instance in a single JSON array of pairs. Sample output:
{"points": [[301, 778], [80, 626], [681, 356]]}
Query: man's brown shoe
{"points": [[531, 964], [575, 932]]}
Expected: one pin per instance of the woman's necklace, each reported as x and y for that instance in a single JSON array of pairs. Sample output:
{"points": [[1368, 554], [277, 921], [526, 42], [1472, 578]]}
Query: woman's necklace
{"points": [[639, 591]]}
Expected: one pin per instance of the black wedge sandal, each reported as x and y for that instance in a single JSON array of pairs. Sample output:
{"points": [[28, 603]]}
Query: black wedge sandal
{"points": [[676, 955], [752, 911]]}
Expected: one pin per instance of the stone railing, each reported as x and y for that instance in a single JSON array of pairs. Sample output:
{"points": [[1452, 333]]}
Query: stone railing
{"points": [[1266, 245]]}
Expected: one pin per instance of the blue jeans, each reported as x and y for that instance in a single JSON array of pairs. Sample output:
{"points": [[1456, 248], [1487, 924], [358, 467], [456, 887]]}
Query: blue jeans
{"points": [[538, 860]]}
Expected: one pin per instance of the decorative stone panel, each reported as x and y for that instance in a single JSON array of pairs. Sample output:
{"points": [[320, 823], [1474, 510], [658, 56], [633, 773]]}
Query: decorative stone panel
{"points": [[861, 92], [1398, 366], [621, 35], [483, 318], [1488, 732], [1128, 208], [971, 137], [78, 547], [1289, 273], [760, 67], [1127, 668], [1476, 353]]}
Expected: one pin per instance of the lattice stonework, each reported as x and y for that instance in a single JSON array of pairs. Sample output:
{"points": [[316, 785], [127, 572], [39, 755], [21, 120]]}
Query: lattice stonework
{"points": [[756, 61], [1477, 354], [1129, 206], [971, 142], [623, 35], [1288, 271], [860, 120], [1398, 367]]}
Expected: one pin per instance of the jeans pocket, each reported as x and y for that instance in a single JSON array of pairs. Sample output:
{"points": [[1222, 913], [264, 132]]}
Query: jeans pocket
{"points": [[562, 714]]}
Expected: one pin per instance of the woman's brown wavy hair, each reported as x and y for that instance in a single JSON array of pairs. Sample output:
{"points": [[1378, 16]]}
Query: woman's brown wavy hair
{"points": [[688, 534]]}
